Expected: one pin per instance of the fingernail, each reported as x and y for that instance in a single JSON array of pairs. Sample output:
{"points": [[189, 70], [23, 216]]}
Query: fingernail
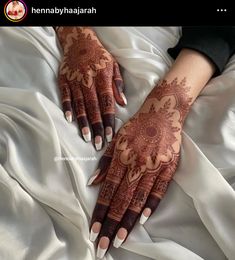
{"points": [[123, 98], [92, 178], [102, 247], [101, 252], [86, 133], [109, 133], [98, 142], [95, 230], [68, 116], [120, 237], [145, 215], [93, 236], [117, 242]]}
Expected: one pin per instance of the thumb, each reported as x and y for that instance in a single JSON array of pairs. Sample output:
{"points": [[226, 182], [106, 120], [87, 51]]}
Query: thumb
{"points": [[103, 165], [118, 86]]}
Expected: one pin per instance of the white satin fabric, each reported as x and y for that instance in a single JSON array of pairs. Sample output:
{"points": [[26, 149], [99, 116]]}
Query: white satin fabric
{"points": [[45, 205]]}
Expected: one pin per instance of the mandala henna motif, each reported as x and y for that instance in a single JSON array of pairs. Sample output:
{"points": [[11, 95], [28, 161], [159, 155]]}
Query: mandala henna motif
{"points": [[84, 55], [87, 75], [146, 154]]}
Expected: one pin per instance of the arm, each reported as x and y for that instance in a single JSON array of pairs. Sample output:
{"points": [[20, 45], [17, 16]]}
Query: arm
{"points": [[142, 159], [89, 82]]}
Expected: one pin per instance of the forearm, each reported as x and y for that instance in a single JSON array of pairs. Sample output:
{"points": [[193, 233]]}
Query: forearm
{"points": [[177, 91], [195, 68]]}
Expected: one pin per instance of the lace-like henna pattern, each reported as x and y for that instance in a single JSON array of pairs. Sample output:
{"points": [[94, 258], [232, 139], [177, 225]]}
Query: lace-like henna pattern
{"points": [[145, 156], [88, 66], [82, 43]]}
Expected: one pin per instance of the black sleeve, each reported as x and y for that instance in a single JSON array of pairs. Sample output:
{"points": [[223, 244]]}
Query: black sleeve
{"points": [[217, 43]]}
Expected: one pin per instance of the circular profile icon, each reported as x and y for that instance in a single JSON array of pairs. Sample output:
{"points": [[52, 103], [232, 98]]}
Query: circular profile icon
{"points": [[15, 11]]}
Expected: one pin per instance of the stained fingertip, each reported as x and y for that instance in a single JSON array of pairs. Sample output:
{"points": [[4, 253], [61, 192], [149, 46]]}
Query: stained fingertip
{"points": [[86, 133], [68, 116], [120, 237], [102, 246], [95, 230], [145, 215], [109, 133], [98, 143]]}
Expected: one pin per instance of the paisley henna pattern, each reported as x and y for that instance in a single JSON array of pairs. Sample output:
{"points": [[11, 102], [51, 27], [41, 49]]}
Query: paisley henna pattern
{"points": [[145, 156], [89, 78]]}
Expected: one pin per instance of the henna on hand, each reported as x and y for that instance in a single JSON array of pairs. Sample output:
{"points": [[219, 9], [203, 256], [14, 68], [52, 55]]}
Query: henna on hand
{"points": [[90, 82], [145, 154]]}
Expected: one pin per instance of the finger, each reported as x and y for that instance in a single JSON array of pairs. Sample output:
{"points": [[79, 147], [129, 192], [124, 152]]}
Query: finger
{"points": [[136, 205], [94, 115], [107, 106], [159, 189], [118, 86], [80, 111], [106, 100], [65, 97], [103, 165], [109, 187], [118, 206]]}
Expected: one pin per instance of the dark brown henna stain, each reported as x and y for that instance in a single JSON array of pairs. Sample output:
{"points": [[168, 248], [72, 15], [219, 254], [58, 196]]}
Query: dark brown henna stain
{"points": [[148, 145], [83, 55], [88, 68], [177, 89]]}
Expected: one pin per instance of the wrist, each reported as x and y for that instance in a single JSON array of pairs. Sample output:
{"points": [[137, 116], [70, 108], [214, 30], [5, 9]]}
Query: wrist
{"points": [[74, 34], [173, 96]]}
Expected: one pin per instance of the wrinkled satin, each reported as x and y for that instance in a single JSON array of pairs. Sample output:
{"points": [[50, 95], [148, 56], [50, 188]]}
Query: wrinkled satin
{"points": [[45, 206]]}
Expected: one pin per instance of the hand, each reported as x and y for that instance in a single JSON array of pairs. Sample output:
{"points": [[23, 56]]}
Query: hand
{"points": [[90, 82], [139, 164]]}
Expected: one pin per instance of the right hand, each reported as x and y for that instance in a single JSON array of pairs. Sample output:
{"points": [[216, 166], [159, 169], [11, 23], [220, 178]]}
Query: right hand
{"points": [[139, 164], [90, 82]]}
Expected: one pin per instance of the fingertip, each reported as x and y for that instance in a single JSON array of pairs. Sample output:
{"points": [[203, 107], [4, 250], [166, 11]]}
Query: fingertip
{"points": [[109, 133], [93, 178], [68, 116], [98, 143], [145, 215], [95, 230], [102, 246], [123, 98], [120, 237], [86, 133]]}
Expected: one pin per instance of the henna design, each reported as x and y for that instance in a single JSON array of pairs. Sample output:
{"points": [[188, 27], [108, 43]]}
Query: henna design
{"points": [[83, 55], [177, 90], [146, 155], [88, 72]]}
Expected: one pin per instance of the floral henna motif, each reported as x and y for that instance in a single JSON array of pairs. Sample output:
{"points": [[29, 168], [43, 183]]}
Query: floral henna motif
{"points": [[82, 43], [89, 75], [146, 153], [178, 91]]}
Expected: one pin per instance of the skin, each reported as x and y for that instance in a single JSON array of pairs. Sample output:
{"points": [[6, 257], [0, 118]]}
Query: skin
{"points": [[90, 82], [139, 164]]}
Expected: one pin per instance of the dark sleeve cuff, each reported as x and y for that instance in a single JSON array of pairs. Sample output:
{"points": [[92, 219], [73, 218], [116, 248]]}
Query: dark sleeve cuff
{"points": [[206, 40]]}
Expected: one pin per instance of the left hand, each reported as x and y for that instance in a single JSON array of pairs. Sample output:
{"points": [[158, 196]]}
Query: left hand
{"points": [[139, 164], [90, 82]]}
